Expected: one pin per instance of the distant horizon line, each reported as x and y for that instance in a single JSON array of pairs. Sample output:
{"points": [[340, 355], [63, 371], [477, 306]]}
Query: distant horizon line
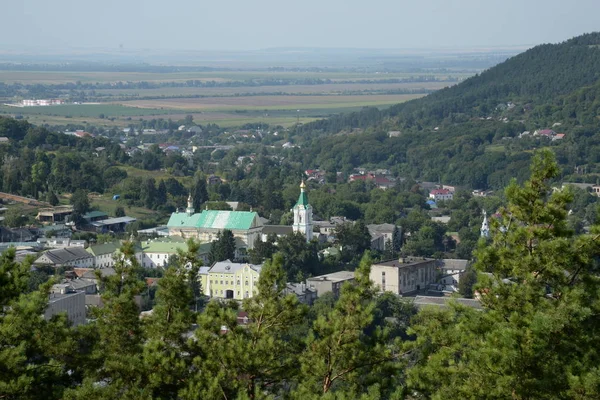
{"points": [[117, 49]]}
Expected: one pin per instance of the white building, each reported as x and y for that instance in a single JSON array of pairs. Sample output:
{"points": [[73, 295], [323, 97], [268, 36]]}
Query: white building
{"points": [[441, 194]]}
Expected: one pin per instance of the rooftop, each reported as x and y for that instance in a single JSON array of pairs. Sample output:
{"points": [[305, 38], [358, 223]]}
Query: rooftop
{"points": [[405, 262], [422, 301], [112, 221], [106, 248], [277, 229], [215, 219], [339, 276], [230, 267], [67, 254]]}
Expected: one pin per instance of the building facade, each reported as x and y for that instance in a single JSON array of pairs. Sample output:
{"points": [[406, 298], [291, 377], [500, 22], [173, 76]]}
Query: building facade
{"points": [[330, 282], [229, 280], [404, 276]]}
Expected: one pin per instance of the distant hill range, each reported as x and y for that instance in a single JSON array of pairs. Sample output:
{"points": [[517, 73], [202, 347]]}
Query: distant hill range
{"points": [[478, 124]]}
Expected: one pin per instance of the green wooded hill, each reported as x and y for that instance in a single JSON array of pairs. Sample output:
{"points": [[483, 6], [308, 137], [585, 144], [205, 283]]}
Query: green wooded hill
{"points": [[468, 133]]}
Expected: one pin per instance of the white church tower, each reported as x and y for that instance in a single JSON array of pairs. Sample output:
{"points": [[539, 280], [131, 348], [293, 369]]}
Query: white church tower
{"points": [[303, 214], [190, 205], [485, 226]]}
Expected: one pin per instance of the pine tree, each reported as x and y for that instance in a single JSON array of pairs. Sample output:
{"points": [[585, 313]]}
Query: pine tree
{"points": [[223, 248], [199, 193], [254, 361], [540, 290], [341, 359], [167, 355], [161, 193], [117, 357], [34, 353]]}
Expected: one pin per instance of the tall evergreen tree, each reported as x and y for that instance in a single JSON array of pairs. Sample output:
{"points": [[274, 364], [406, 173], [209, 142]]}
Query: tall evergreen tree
{"points": [[117, 357], [340, 358], [199, 193], [254, 361], [34, 353], [540, 291], [223, 248]]}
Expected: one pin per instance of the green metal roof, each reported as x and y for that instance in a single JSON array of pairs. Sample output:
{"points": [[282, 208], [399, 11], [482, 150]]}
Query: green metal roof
{"points": [[214, 219], [183, 220], [302, 199], [94, 214], [106, 248], [169, 246]]}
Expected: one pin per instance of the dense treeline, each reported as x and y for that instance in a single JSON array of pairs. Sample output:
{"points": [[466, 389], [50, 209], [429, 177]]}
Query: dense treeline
{"points": [[469, 134]]}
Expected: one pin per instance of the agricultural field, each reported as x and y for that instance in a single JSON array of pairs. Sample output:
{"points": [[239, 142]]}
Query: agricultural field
{"points": [[230, 97], [62, 77]]}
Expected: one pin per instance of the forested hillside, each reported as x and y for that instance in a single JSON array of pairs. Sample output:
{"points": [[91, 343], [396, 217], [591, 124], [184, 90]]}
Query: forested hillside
{"points": [[469, 133]]}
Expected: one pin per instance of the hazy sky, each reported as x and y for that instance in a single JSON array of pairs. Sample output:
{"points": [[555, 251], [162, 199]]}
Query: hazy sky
{"points": [[258, 24]]}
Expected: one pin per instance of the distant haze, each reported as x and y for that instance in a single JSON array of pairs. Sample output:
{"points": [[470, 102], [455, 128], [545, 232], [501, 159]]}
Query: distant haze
{"points": [[80, 25]]}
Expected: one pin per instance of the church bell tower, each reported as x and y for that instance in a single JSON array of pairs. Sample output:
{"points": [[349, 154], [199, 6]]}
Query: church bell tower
{"points": [[190, 205], [303, 221]]}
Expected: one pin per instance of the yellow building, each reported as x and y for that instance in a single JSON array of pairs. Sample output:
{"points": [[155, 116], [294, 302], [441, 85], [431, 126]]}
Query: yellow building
{"points": [[229, 280]]}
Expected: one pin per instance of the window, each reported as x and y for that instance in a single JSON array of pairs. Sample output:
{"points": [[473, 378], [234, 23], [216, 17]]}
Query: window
{"points": [[238, 281], [246, 283], [221, 282]]}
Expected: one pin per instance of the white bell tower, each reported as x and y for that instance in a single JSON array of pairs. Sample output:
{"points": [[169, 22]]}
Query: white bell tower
{"points": [[303, 221], [485, 226], [190, 205]]}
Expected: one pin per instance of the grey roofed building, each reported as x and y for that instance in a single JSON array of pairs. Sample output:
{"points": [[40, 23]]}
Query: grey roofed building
{"points": [[69, 256], [422, 301], [305, 294], [230, 267], [330, 282], [279, 230], [112, 224], [70, 302], [103, 272]]}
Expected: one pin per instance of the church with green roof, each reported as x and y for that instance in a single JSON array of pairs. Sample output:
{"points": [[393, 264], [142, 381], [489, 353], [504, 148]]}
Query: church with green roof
{"points": [[204, 226]]}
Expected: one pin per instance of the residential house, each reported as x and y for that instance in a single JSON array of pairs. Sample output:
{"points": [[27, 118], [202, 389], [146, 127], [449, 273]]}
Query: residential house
{"points": [[330, 282], [54, 214], [67, 257], [441, 194], [229, 280], [404, 276]]}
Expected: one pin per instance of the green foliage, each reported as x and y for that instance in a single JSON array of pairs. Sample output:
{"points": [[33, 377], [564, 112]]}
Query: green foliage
{"points": [[539, 288], [354, 239], [340, 356], [300, 259], [223, 248]]}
